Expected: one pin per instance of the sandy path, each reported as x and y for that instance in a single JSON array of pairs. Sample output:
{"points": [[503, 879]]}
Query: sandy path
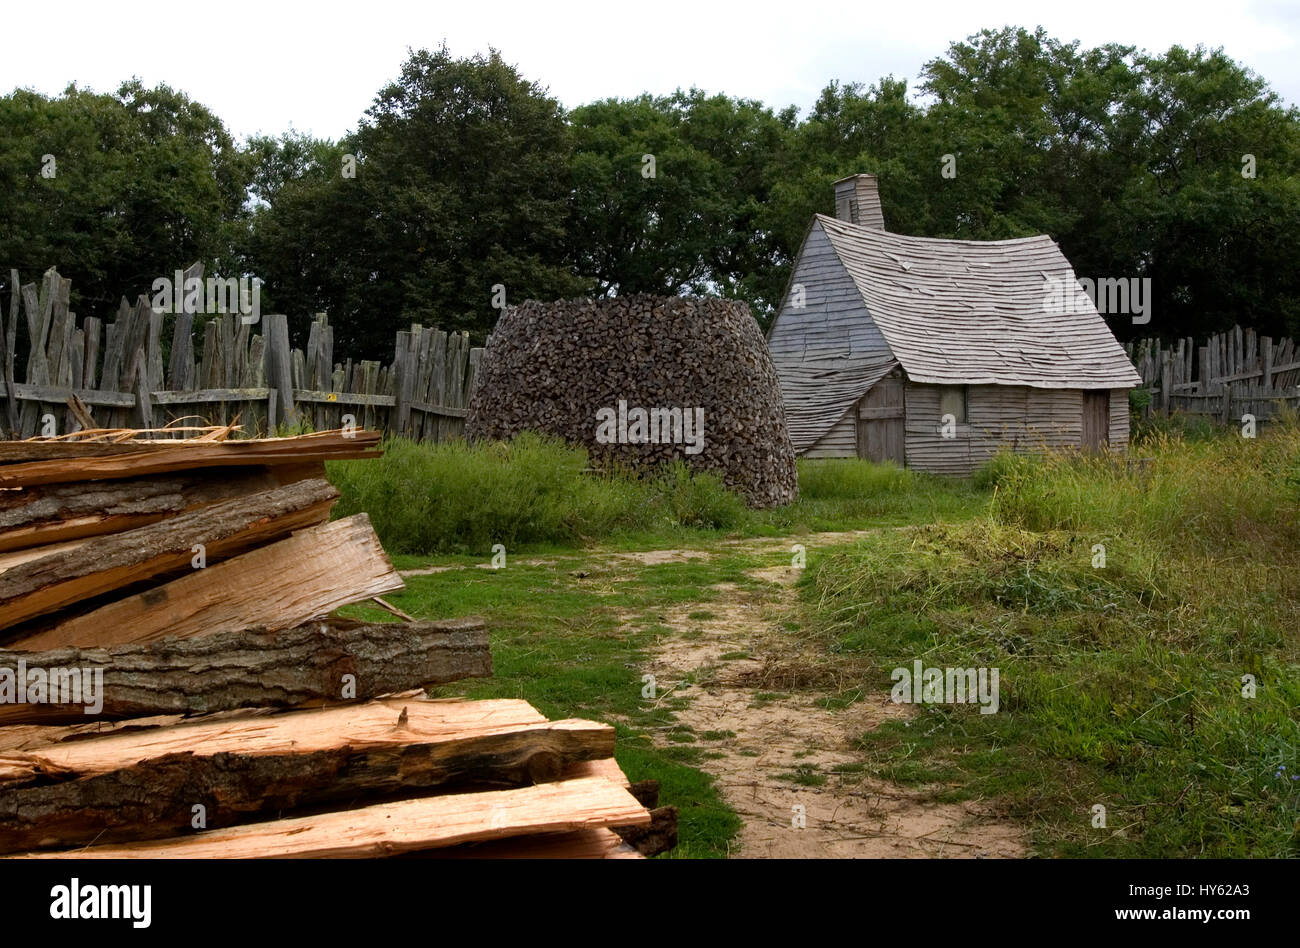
{"points": [[763, 743]]}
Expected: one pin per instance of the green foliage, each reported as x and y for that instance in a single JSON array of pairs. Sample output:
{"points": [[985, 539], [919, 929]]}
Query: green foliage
{"points": [[469, 175], [459, 186], [145, 182]]}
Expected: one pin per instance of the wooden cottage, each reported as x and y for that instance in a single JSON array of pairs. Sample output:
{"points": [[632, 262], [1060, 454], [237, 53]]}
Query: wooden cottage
{"points": [[935, 353]]}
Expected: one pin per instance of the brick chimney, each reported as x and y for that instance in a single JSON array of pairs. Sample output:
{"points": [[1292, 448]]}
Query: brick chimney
{"points": [[858, 201]]}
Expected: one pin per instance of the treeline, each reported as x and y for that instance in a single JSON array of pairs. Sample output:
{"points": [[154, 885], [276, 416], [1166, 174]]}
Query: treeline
{"points": [[464, 177]]}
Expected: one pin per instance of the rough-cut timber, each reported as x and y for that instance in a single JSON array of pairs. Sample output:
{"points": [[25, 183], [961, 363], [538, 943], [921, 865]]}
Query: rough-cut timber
{"points": [[35, 516], [162, 457], [304, 577], [292, 668], [580, 844], [388, 829], [143, 784], [553, 367], [107, 563]]}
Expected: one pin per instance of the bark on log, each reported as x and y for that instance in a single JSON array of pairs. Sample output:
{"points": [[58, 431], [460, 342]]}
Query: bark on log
{"points": [[104, 564], [658, 837], [251, 668], [59, 512], [277, 764]]}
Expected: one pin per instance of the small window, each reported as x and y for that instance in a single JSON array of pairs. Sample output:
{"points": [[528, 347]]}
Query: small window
{"points": [[952, 401]]}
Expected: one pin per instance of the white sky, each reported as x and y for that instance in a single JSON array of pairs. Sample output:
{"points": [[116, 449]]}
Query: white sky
{"points": [[267, 65]]}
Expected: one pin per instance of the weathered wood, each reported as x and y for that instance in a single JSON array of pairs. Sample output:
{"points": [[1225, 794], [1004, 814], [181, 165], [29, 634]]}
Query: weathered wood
{"points": [[202, 395], [161, 457], [300, 667], [278, 362], [388, 829], [9, 354], [55, 513], [107, 563], [284, 584], [54, 393], [143, 784]]}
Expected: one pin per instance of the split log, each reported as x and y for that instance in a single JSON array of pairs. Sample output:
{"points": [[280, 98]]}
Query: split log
{"points": [[582, 844], [58, 512], [387, 829], [169, 456], [279, 586], [298, 667], [107, 563], [145, 784]]}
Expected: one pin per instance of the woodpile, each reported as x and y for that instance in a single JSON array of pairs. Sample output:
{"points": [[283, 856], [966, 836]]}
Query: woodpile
{"points": [[173, 682], [560, 368]]}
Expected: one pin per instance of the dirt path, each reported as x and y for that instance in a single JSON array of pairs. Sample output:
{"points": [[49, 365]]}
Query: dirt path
{"points": [[753, 690]]}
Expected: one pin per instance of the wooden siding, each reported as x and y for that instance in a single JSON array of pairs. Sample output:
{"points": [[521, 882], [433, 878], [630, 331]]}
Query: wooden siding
{"points": [[1119, 431], [833, 322], [826, 354], [842, 439], [1019, 417]]}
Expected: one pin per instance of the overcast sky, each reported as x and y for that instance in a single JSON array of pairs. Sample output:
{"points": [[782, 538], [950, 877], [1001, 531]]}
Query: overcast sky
{"points": [[263, 66]]}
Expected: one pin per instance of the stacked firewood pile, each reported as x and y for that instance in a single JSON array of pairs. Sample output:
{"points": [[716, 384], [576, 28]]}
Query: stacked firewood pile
{"points": [[172, 682], [641, 381]]}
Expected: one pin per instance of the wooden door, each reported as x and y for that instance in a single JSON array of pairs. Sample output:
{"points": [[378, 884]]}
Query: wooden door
{"points": [[880, 422], [1096, 420]]}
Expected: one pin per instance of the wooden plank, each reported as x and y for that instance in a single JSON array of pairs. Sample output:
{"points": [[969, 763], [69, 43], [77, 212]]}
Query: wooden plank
{"points": [[262, 765], [278, 365], [10, 354], [303, 577], [300, 667], [104, 564], [388, 829], [209, 395], [580, 844], [54, 393], [165, 457], [56, 513], [344, 398], [37, 311]]}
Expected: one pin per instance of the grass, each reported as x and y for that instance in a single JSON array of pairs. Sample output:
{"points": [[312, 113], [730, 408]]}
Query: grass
{"points": [[572, 652], [1121, 599], [1121, 684], [537, 494]]}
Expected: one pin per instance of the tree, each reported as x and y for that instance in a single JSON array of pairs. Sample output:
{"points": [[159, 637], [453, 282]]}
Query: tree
{"points": [[670, 195], [116, 190], [461, 177]]}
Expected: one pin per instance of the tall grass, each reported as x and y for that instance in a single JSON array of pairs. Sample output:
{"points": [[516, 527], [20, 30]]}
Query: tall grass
{"points": [[1121, 677], [457, 497], [1228, 490]]}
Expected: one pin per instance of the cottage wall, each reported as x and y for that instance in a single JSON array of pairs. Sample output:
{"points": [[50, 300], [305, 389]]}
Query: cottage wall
{"points": [[841, 441], [1019, 417]]}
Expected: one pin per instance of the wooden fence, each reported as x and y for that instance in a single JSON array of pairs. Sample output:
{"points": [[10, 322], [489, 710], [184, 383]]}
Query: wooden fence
{"points": [[113, 375], [1232, 374]]}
